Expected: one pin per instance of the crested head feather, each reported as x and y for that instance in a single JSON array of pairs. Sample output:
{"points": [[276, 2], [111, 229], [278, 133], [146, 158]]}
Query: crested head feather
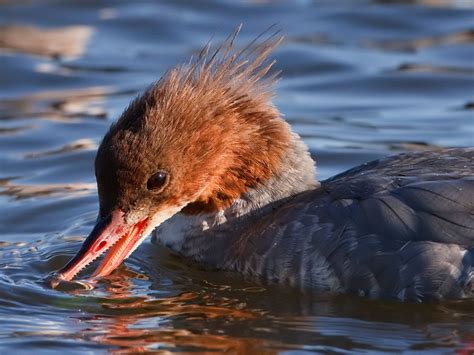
{"points": [[209, 121], [227, 72]]}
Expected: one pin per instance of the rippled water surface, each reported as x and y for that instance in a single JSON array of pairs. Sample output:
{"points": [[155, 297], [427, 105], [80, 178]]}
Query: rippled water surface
{"points": [[361, 79]]}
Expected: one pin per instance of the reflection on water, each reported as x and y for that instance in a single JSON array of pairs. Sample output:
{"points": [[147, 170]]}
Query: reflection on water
{"points": [[440, 3], [427, 68], [58, 105], [80, 144], [28, 191], [141, 323], [361, 79], [420, 43], [56, 43]]}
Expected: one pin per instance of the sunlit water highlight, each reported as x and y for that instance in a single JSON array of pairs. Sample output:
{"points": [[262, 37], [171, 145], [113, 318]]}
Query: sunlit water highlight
{"points": [[361, 80]]}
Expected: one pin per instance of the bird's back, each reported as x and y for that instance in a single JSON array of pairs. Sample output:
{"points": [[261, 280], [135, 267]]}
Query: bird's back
{"points": [[401, 227]]}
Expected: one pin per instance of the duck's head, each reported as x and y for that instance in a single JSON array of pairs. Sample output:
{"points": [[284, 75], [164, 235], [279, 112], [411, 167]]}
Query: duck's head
{"points": [[194, 142]]}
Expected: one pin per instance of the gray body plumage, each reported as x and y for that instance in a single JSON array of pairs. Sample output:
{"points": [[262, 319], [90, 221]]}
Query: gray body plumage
{"points": [[401, 227]]}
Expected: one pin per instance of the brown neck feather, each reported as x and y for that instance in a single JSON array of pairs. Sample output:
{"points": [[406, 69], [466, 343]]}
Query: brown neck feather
{"points": [[255, 154]]}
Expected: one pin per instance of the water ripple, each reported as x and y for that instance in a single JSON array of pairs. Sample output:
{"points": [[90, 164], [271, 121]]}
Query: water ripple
{"points": [[360, 80]]}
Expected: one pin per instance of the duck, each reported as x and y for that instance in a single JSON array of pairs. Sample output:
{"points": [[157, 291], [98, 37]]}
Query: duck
{"points": [[204, 162]]}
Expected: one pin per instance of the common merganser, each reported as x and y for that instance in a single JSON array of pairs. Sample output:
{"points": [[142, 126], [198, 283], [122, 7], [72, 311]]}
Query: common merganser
{"points": [[204, 161]]}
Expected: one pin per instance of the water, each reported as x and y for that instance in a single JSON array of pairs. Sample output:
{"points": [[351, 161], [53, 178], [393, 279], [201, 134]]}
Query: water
{"points": [[361, 80]]}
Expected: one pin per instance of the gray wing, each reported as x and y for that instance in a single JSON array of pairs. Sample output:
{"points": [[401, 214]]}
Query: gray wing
{"points": [[402, 227]]}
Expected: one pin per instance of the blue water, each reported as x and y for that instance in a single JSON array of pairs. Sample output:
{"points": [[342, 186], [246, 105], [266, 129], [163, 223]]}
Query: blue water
{"points": [[360, 80]]}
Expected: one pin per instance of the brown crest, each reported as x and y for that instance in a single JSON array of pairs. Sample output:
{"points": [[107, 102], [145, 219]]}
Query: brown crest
{"points": [[210, 123]]}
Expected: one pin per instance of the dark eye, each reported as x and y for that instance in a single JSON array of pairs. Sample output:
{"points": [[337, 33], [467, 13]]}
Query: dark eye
{"points": [[158, 181]]}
